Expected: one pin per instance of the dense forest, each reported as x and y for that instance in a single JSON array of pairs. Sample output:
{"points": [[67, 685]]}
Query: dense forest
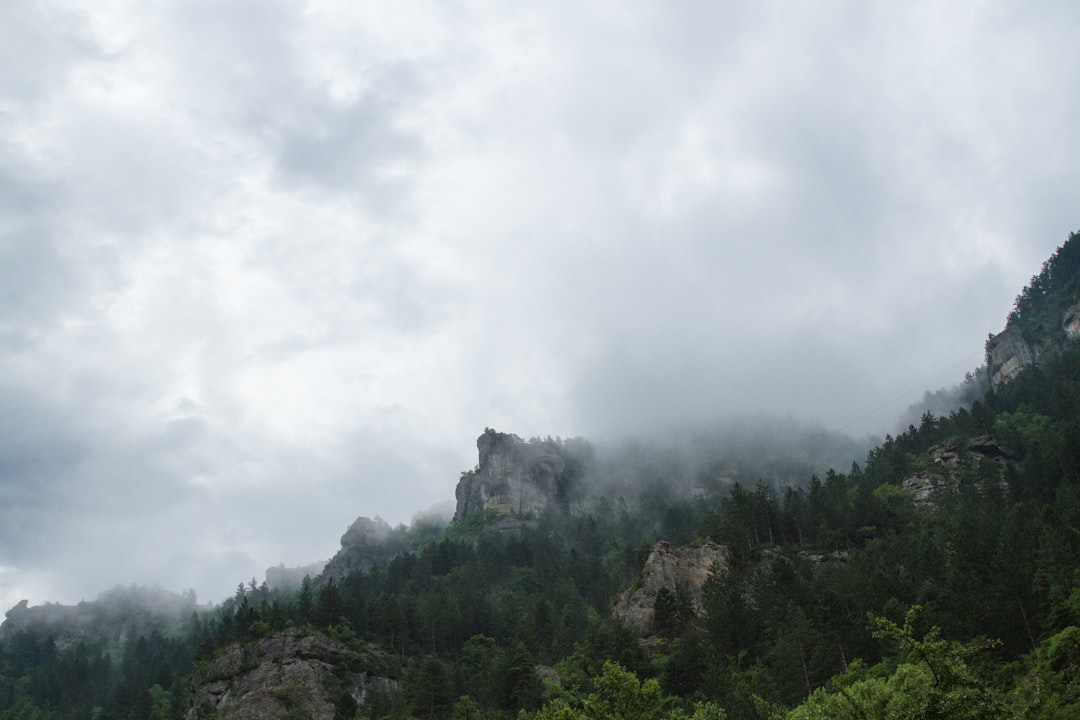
{"points": [[938, 578]]}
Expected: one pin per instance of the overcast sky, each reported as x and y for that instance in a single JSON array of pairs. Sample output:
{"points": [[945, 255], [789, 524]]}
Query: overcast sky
{"points": [[266, 266]]}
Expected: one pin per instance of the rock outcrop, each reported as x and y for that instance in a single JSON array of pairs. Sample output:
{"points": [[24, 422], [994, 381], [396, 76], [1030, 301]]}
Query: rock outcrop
{"points": [[1070, 322], [1045, 318], [289, 675], [947, 459], [515, 476], [1007, 354], [370, 543], [676, 570]]}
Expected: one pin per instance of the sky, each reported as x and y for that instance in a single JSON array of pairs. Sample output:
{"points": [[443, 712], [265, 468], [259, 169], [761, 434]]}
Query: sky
{"points": [[267, 265]]}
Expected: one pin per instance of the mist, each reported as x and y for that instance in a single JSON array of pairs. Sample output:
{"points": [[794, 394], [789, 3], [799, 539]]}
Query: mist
{"points": [[944, 401], [270, 267]]}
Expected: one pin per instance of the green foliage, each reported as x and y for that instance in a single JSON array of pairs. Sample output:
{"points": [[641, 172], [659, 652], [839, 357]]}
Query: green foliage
{"points": [[933, 678], [463, 619], [1038, 308], [619, 694]]}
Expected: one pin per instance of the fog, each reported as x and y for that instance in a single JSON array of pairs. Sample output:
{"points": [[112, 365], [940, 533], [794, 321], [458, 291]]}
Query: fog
{"points": [[270, 266]]}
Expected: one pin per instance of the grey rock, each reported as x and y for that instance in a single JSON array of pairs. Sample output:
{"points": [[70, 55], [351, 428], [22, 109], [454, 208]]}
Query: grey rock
{"points": [[688, 567], [291, 674], [518, 477], [946, 460], [1007, 354], [1070, 322]]}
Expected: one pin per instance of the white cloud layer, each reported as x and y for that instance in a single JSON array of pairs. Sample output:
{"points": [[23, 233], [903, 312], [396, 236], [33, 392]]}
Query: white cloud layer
{"points": [[267, 266]]}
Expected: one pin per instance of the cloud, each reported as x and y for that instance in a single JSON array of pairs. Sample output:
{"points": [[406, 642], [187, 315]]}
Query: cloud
{"points": [[267, 267]]}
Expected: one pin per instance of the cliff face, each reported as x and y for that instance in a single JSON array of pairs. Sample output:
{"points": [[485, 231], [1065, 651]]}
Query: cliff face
{"points": [[1044, 319], [288, 675], [514, 476], [1007, 354], [676, 570], [1015, 348]]}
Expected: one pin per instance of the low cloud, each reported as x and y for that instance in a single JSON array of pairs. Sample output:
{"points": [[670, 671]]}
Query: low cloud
{"points": [[267, 267]]}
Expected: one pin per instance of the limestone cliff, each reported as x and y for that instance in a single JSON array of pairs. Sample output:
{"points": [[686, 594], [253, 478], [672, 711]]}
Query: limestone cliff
{"points": [[1044, 319], [1007, 354], [289, 675], [1016, 347], [515, 476], [682, 570]]}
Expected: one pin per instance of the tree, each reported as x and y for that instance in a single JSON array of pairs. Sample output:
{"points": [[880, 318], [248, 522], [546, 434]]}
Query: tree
{"points": [[479, 667], [429, 689], [620, 695], [305, 605], [329, 606], [933, 679]]}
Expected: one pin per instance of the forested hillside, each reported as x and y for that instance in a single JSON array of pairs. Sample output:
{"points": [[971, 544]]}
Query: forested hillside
{"points": [[938, 578]]}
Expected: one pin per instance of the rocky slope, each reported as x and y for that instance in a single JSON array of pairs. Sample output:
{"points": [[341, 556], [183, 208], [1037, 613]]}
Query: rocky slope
{"points": [[674, 570], [289, 675]]}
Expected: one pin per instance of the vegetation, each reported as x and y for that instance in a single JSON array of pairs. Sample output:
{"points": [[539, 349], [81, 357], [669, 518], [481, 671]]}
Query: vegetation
{"points": [[1038, 309], [846, 597]]}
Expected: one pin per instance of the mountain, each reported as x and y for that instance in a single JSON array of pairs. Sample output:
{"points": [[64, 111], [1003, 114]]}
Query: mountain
{"points": [[693, 576]]}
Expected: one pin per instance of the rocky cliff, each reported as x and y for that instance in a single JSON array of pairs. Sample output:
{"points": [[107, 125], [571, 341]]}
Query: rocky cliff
{"points": [[1020, 345], [674, 572], [946, 462], [515, 476], [1007, 354], [292, 674], [1044, 319]]}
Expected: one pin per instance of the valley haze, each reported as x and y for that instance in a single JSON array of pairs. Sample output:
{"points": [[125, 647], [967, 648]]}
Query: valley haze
{"points": [[267, 267]]}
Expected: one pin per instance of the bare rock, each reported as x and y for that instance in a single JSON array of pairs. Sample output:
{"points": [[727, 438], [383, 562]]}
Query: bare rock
{"points": [[291, 674], [515, 476], [1070, 322], [688, 568], [946, 460], [1007, 354], [923, 487]]}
